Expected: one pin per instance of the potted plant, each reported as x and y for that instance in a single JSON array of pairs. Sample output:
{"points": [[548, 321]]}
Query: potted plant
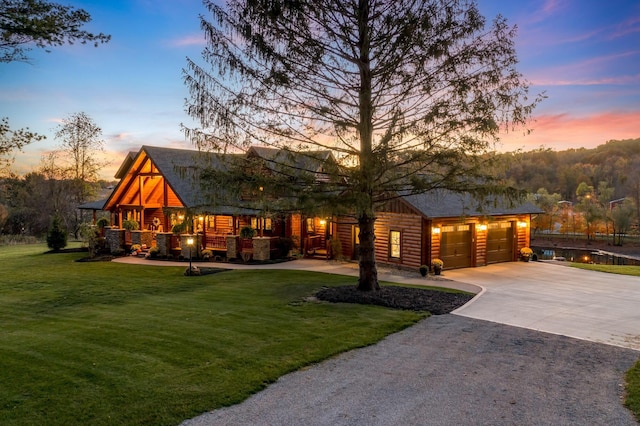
{"points": [[130, 225], [154, 252], [438, 264], [179, 228], [526, 253], [247, 232], [423, 270]]}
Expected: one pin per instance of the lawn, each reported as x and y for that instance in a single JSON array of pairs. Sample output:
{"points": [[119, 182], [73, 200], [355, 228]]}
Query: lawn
{"points": [[106, 343], [612, 269]]}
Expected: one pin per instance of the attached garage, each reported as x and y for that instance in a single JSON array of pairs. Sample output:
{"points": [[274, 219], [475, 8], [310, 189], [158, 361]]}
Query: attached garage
{"points": [[457, 228], [455, 246], [500, 242]]}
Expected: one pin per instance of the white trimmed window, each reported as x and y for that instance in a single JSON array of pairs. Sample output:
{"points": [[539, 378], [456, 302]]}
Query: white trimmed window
{"points": [[394, 244]]}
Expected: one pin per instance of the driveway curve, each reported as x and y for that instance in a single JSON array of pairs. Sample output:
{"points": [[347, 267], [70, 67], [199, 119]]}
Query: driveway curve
{"points": [[555, 298], [449, 370]]}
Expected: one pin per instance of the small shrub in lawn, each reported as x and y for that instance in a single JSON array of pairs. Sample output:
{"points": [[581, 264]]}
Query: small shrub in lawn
{"points": [[206, 254], [57, 235]]}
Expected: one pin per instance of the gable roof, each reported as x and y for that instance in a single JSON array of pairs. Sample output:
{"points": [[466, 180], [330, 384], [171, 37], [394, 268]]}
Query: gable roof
{"points": [[94, 205], [294, 163], [126, 165], [442, 203], [180, 168]]}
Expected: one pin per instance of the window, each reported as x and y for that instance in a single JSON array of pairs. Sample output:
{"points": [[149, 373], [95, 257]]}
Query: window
{"points": [[394, 244]]}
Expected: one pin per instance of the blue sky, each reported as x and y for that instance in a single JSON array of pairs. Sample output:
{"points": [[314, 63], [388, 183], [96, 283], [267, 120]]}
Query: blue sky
{"points": [[585, 54]]}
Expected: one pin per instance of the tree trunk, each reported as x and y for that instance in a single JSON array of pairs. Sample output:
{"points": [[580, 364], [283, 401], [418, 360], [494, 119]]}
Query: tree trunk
{"points": [[368, 280]]}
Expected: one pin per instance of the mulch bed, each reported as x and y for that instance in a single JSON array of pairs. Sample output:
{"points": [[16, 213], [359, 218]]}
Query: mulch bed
{"points": [[408, 298]]}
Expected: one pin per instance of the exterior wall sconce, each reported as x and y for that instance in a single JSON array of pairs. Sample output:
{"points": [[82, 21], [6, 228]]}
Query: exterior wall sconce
{"points": [[323, 222], [435, 231], [522, 224], [481, 227]]}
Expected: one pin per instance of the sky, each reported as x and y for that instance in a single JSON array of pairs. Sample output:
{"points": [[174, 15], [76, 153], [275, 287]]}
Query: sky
{"points": [[583, 54]]}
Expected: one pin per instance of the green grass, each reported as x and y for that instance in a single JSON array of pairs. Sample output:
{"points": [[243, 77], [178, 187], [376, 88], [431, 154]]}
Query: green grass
{"points": [[612, 269], [632, 401], [107, 343]]}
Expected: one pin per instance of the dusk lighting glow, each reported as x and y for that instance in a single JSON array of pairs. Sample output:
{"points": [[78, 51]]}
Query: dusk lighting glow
{"points": [[583, 53]]}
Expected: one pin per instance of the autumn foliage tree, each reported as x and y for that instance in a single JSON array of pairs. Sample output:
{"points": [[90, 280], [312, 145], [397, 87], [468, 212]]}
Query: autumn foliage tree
{"points": [[407, 94]]}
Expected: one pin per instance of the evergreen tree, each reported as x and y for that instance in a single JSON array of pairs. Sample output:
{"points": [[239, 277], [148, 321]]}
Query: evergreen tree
{"points": [[57, 235], [407, 94]]}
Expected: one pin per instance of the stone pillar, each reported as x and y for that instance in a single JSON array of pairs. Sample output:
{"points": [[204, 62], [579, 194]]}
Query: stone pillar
{"points": [[232, 246], [196, 247], [135, 237], [115, 239], [261, 248], [163, 242]]}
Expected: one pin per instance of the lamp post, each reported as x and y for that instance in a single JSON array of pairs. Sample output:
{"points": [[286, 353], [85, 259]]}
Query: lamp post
{"points": [[190, 244]]}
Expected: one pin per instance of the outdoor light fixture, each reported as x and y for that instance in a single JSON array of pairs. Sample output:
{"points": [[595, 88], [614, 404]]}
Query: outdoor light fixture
{"points": [[482, 227], [522, 224], [190, 244], [323, 222], [435, 231]]}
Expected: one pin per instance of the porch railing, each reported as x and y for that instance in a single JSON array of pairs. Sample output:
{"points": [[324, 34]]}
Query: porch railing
{"points": [[215, 242]]}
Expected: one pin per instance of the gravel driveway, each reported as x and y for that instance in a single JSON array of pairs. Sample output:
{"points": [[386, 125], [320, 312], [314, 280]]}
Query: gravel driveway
{"points": [[450, 370]]}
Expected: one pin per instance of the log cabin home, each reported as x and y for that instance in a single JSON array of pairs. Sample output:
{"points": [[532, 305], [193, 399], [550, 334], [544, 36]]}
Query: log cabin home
{"points": [[159, 188]]}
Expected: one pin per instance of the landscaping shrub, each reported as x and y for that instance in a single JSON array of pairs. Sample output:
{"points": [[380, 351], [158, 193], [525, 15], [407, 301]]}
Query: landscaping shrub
{"points": [[57, 235]]}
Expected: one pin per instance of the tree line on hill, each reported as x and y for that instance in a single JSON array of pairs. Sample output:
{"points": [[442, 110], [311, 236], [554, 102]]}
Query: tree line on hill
{"points": [[584, 191]]}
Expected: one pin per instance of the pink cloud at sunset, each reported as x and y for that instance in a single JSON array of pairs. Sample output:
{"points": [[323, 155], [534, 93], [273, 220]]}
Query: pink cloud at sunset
{"points": [[565, 131]]}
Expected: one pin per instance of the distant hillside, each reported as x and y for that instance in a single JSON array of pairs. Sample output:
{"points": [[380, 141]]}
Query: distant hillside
{"points": [[617, 162]]}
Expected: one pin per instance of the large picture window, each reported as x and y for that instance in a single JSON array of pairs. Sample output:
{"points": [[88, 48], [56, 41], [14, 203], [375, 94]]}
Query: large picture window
{"points": [[394, 244]]}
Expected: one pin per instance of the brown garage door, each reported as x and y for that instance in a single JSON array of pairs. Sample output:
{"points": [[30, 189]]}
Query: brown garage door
{"points": [[455, 246], [500, 242]]}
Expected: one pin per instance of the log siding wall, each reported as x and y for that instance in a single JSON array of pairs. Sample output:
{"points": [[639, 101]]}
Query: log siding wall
{"points": [[420, 245]]}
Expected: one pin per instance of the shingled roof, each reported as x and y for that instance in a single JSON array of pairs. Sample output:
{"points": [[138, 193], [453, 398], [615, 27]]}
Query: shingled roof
{"points": [[181, 168], [443, 203]]}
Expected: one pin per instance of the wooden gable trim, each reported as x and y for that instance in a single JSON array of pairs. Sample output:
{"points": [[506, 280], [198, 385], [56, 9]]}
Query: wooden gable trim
{"points": [[141, 171], [398, 205]]}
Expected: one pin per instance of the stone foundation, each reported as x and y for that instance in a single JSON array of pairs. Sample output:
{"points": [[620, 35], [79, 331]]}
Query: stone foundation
{"points": [[115, 238], [232, 247], [163, 243], [261, 248]]}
